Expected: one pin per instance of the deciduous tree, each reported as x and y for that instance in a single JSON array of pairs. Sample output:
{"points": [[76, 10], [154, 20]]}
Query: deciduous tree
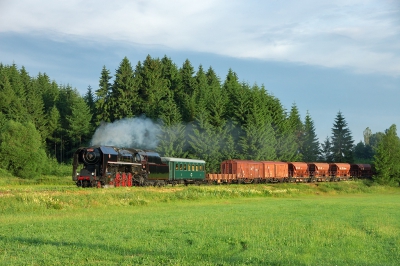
{"points": [[387, 158]]}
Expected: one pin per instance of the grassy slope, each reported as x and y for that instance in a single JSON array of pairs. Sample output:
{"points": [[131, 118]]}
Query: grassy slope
{"points": [[344, 223]]}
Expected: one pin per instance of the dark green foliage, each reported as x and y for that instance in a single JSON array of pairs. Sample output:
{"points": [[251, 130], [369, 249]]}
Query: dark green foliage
{"points": [[326, 151], [309, 145], [387, 158], [12, 94], [342, 141], [216, 100], [185, 95], [79, 119], [363, 153], [205, 143], [258, 141], [199, 116], [124, 99], [90, 102], [153, 87], [172, 141], [102, 103], [295, 124], [21, 151]]}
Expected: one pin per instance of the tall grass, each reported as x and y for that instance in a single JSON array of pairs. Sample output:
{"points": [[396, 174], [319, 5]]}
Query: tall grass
{"points": [[37, 195]]}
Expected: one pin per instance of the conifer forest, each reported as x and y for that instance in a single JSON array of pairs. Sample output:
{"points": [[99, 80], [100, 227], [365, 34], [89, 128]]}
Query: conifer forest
{"points": [[178, 111]]}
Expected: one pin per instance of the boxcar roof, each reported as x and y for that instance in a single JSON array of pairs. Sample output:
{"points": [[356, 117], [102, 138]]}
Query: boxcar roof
{"points": [[184, 160]]}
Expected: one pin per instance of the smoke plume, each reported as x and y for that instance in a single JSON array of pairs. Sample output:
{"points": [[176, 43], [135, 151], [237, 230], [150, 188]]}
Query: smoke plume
{"points": [[137, 132]]}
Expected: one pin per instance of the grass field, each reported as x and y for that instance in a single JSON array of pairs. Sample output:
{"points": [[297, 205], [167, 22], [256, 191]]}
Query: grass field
{"points": [[345, 223]]}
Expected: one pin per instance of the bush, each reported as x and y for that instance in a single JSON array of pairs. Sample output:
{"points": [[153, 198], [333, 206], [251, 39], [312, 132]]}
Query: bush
{"points": [[21, 151]]}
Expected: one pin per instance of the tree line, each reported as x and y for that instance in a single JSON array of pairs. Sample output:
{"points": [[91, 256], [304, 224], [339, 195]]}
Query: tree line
{"points": [[199, 116]]}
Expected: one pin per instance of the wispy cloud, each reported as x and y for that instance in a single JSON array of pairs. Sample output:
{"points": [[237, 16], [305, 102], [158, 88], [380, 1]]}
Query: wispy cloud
{"points": [[363, 36]]}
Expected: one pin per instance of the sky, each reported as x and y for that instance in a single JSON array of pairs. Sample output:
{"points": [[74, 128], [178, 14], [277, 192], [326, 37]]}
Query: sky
{"points": [[323, 56]]}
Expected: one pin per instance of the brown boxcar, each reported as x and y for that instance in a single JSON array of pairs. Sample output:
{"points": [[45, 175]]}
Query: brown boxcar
{"points": [[274, 171], [339, 171], [298, 172], [319, 172], [246, 171], [361, 170]]}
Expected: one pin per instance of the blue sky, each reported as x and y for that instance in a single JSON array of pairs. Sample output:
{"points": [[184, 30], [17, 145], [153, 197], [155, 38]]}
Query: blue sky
{"points": [[325, 56]]}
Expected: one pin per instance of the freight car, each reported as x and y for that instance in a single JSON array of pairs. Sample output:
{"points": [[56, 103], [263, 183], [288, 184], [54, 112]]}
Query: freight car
{"points": [[247, 171]]}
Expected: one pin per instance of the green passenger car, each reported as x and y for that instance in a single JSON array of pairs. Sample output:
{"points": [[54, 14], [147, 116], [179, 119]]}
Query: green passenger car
{"points": [[186, 171]]}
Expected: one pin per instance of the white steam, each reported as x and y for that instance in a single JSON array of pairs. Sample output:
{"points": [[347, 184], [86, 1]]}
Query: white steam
{"points": [[137, 132]]}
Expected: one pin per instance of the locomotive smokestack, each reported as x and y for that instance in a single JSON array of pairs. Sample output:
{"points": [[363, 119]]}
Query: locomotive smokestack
{"points": [[137, 132]]}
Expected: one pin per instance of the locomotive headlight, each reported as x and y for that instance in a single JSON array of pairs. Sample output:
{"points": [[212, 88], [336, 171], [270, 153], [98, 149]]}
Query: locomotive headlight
{"points": [[92, 173]]}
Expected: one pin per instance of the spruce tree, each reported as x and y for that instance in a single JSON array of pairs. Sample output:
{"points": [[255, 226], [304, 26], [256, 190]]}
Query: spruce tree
{"points": [[205, 143], [310, 146], [216, 100], [342, 141], [153, 88], [102, 103], [185, 94], [259, 141], [124, 94], [326, 151], [90, 102], [79, 127], [296, 124]]}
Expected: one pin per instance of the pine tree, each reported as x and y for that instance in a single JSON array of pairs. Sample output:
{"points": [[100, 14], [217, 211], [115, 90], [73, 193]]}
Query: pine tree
{"points": [[259, 141], [342, 141], [185, 94], [296, 124], [12, 94], [310, 146], [326, 151], [172, 141], [170, 73], [387, 158], [205, 143], [202, 91], [90, 102], [216, 100], [237, 98], [153, 88], [103, 94], [124, 94], [79, 125]]}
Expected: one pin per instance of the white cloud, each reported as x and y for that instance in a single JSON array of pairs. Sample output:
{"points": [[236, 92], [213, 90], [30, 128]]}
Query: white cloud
{"points": [[360, 35]]}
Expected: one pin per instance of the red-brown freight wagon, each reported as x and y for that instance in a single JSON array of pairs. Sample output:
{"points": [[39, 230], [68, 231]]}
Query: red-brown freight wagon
{"points": [[274, 171], [246, 171], [298, 172], [339, 171], [361, 170], [319, 172]]}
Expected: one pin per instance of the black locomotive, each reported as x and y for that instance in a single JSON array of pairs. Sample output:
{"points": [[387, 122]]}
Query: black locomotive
{"points": [[104, 165]]}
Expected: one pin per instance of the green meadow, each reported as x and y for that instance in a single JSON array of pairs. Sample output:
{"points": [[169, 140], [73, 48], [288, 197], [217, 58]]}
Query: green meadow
{"points": [[344, 223]]}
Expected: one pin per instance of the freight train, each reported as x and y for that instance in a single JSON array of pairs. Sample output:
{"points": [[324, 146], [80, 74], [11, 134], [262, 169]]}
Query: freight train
{"points": [[100, 166]]}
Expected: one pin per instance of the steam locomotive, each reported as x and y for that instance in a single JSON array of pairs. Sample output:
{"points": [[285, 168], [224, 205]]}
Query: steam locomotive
{"points": [[100, 166]]}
